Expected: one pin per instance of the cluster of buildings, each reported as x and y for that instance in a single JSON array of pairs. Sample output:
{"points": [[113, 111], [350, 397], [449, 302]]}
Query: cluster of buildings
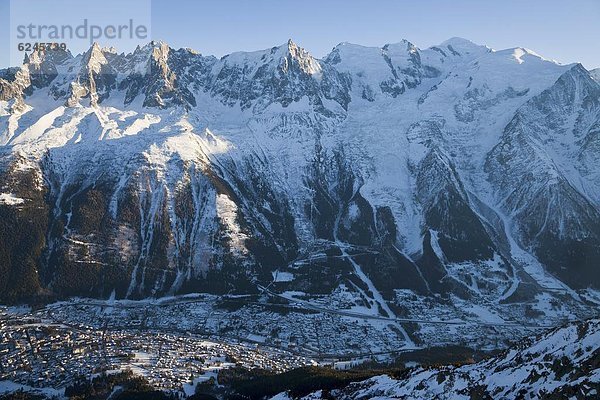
{"points": [[180, 341], [40, 353]]}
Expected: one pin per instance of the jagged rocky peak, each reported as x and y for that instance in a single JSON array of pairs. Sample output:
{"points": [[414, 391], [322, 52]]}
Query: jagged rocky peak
{"points": [[38, 70], [160, 52], [93, 59], [139, 61], [282, 74], [307, 63], [163, 86], [149, 70], [39, 58], [286, 58], [13, 83], [96, 78], [159, 65], [45, 66], [164, 56], [143, 52]]}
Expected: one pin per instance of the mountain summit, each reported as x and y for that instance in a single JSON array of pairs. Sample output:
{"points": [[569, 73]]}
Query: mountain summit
{"points": [[393, 180]]}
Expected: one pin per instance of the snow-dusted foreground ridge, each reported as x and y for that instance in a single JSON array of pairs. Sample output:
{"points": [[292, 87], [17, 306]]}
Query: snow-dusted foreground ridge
{"points": [[387, 182], [562, 364]]}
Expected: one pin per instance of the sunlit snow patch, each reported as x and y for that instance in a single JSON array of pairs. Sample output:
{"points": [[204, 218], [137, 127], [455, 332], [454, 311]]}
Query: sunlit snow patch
{"points": [[10, 199]]}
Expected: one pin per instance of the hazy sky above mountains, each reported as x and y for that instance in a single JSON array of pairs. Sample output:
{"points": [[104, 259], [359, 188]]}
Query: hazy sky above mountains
{"points": [[567, 31]]}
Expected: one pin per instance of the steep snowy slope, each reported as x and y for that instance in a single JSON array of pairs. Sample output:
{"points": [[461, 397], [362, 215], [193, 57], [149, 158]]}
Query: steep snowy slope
{"points": [[384, 172], [557, 365], [557, 211]]}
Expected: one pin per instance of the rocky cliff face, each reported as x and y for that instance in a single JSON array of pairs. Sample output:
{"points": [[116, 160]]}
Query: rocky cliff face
{"points": [[455, 172]]}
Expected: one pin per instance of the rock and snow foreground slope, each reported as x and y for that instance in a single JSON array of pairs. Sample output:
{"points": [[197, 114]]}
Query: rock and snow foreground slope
{"points": [[456, 174], [562, 364]]}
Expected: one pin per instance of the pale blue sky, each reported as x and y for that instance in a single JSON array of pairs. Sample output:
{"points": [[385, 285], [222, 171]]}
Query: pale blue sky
{"points": [[567, 31]]}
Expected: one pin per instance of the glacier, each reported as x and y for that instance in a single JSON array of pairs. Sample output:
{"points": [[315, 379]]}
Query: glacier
{"points": [[457, 176]]}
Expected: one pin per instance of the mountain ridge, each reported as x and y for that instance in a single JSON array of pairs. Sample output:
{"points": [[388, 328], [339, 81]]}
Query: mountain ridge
{"points": [[374, 173]]}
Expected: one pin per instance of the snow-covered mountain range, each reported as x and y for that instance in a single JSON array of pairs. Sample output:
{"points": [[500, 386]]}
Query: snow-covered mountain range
{"points": [[456, 173]]}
